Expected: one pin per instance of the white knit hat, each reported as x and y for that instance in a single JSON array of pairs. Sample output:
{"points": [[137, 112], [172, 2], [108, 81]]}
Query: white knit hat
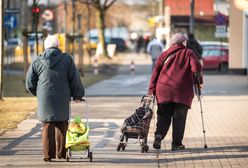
{"points": [[51, 41], [178, 38]]}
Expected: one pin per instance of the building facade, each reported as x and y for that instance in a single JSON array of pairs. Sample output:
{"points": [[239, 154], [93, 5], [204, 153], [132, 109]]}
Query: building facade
{"points": [[180, 11], [238, 37]]}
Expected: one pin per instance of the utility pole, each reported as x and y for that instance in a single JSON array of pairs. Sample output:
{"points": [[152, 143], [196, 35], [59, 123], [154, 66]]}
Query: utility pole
{"points": [[24, 14], [153, 8], [65, 21], [24, 36], [73, 26], [192, 16], [80, 50], [161, 7], [88, 29], [1, 49]]}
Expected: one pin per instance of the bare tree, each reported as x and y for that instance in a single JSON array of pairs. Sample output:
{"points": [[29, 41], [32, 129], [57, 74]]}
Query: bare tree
{"points": [[101, 7]]}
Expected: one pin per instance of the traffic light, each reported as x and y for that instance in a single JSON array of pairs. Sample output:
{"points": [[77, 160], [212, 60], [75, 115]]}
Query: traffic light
{"points": [[35, 10], [35, 13]]}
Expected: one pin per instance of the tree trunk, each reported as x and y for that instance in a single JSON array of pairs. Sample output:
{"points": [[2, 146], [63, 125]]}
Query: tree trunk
{"points": [[1, 49], [101, 27], [25, 51]]}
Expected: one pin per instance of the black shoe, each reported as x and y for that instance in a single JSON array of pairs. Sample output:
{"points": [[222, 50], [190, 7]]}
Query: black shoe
{"points": [[177, 147], [157, 142], [47, 159], [61, 157]]}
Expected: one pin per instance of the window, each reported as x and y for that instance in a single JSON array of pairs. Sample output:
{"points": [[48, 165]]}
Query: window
{"points": [[211, 53]]}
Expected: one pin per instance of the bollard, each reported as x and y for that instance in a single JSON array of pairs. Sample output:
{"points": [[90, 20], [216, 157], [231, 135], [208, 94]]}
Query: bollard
{"points": [[132, 68], [95, 66]]}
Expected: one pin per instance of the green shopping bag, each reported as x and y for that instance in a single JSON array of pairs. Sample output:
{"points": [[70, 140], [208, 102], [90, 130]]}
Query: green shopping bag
{"points": [[77, 135]]}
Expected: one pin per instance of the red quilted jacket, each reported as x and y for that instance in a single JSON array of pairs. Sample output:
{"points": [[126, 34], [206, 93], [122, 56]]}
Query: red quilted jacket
{"points": [[172, 80]]}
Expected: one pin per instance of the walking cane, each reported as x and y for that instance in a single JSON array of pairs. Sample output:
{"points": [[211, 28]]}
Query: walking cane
{"points": [[197, 75]]}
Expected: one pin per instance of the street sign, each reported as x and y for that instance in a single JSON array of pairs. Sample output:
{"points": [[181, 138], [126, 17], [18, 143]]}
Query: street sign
{"points": [[221, 34], [10, 21], [221, 26], [12, 11], [221, 31], [220, 19]]}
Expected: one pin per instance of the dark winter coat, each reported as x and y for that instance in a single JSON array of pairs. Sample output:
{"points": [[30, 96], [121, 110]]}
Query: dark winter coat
{"points": [[53, 78], [195, 46], [173, 80]]}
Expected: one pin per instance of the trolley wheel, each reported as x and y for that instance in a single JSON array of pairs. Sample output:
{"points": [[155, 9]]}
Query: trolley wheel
{"points": [[69, 152], [123, 147], [67, 156], [119, 147], [126, 138], [90, 156], [144, 148], [121, 138]]}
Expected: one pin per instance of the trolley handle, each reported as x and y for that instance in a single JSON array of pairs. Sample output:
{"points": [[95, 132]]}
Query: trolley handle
{"points": [[78, 100], [81, 100], [147, 99]]}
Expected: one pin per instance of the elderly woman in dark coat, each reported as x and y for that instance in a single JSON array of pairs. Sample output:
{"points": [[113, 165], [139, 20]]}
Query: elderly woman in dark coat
{"points": [[193, 44], [53, 78], [172, 82]]}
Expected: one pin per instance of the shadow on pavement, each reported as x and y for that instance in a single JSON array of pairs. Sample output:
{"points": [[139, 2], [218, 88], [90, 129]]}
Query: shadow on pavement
{"points": [[10, 148]]}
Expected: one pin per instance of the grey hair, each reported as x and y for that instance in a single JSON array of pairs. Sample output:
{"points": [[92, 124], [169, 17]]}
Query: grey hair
{"points": [[178, 38], [51, 41]]}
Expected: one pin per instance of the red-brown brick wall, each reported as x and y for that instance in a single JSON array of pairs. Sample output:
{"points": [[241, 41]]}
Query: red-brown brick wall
{"points": [[182, 7]]}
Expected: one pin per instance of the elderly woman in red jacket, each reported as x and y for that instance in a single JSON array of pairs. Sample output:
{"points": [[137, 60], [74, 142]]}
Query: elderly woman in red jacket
{"points": [[172, 82]]}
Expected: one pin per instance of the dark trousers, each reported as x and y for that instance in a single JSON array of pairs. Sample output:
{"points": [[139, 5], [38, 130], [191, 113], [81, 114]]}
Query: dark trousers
{"points": [[175, 112], [53, 132], [153, 62]]}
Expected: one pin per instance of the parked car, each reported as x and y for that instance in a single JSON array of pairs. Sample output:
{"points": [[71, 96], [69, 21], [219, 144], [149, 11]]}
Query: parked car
{"points": [[215, 58], [120, 44], [14, 42], [91, 43], [13, 47], [32, 40], [211, 44]]}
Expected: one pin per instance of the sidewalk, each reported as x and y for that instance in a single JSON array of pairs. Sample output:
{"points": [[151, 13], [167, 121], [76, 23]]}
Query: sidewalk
{"points": [[225, 102], [126, 83]]}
